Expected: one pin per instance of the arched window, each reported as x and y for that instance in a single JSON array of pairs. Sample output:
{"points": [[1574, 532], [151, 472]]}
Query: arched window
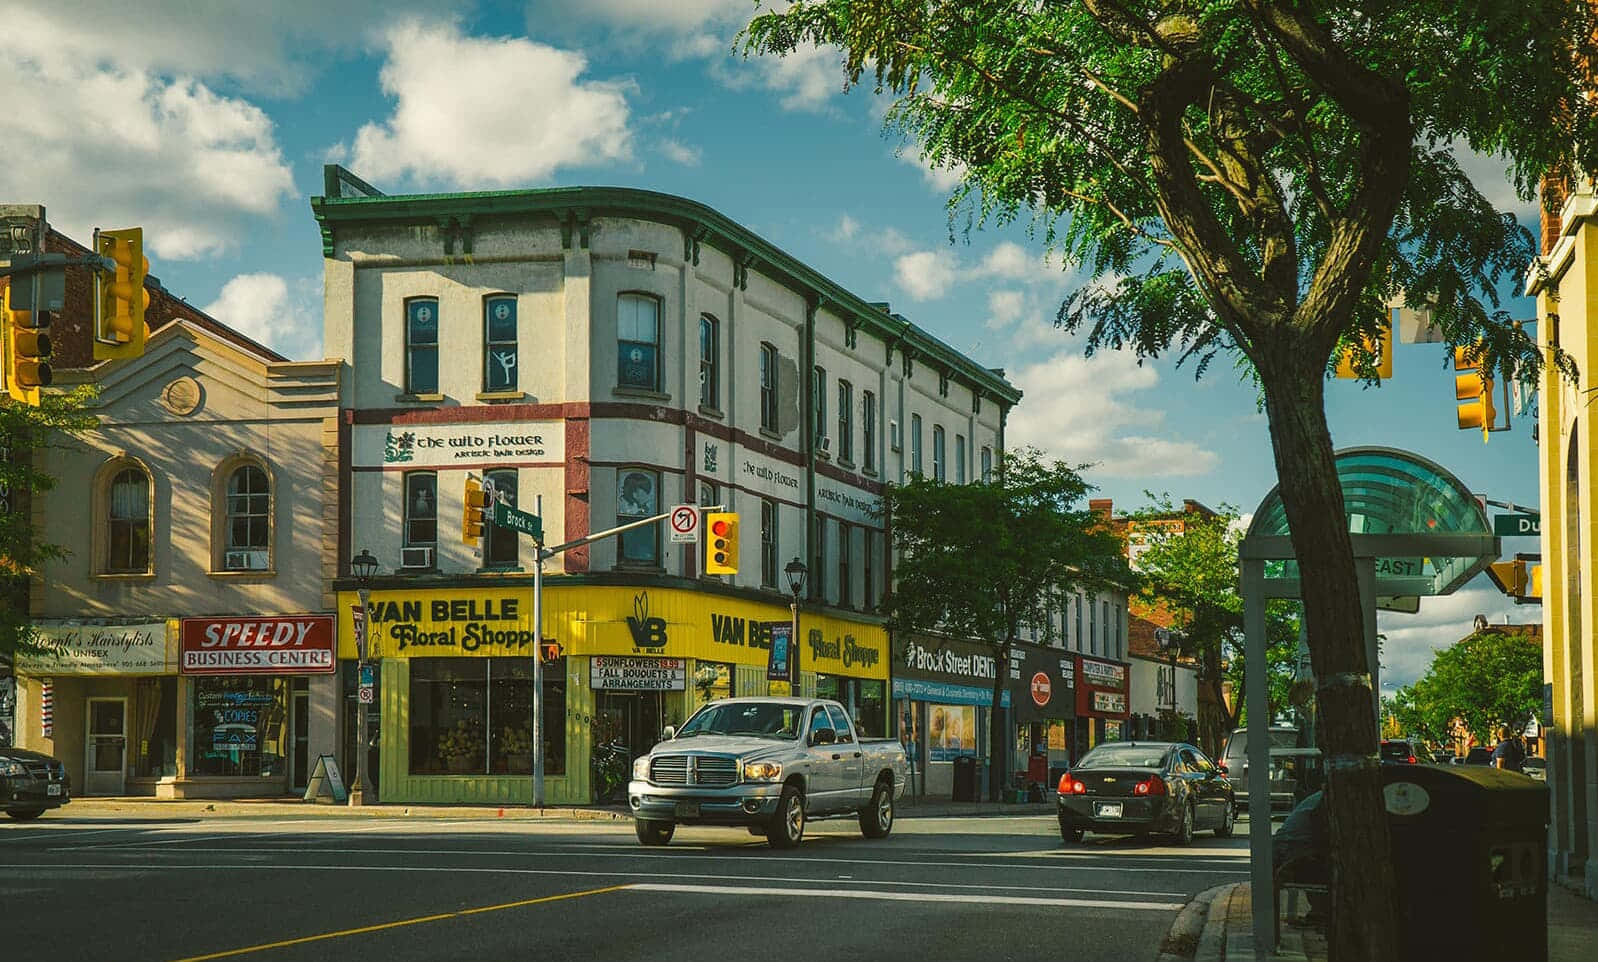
{"points": [[128, 528], [249, 520]]}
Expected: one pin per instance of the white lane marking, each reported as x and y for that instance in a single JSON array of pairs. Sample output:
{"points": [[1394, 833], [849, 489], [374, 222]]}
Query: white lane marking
{"points": [[855, 894], [181, 840], [539, 853], [42, 832], [147, 868]]}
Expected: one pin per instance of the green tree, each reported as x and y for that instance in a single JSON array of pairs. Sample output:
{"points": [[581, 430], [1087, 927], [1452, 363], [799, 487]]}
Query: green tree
{"points": [[24, 431], [981, 560], [1492, 678], [1187, 562], [1257, 178]]}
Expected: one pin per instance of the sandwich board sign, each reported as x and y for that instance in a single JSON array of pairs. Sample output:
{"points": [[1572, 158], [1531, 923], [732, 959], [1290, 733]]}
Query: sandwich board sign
{"points": [[326, 780]]}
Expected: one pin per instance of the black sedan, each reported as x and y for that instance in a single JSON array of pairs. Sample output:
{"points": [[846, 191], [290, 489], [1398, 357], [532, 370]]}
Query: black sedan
{"points": [[31, 782], [1143, 788]]}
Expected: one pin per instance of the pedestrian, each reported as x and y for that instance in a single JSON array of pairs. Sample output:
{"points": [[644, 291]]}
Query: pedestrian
{"points": [[1508, 755]]}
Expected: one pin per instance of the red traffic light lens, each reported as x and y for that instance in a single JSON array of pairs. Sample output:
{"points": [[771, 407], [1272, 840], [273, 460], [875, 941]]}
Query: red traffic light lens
{"points": [[720, 528]]}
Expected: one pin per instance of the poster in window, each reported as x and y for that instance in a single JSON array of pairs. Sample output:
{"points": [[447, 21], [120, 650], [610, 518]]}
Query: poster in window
{"points": [[777, 667], [637, 496], [952, 732]]}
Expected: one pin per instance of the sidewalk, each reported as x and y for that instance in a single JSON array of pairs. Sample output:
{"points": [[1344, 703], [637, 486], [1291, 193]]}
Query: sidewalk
{"points": [[1218, 925], [200, 808]]}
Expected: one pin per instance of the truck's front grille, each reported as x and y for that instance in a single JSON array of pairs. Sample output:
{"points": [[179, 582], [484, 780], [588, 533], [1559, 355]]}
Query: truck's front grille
{"points": [[669, 770], [713, 770], [707, 770]]}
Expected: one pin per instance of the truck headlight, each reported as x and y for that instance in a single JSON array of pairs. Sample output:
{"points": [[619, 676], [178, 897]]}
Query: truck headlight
{"points": [[641, 768], [762, 771]]}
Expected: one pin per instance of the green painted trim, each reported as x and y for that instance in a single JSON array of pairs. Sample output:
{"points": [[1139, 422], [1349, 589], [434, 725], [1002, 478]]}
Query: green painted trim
{"points": [[744, 247]]}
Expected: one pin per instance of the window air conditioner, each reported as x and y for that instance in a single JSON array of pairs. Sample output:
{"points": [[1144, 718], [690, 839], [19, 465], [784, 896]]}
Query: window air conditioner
{"points": [[893, 434], [416, 557], [244, 561], [824, 446]]}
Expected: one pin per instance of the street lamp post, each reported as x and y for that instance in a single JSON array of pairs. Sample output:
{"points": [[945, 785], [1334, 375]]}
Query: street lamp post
{"points": [[363, 566], [796, 571]]}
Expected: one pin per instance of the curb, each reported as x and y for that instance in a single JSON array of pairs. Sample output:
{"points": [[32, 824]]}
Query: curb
{"points": [[1198, 924]]}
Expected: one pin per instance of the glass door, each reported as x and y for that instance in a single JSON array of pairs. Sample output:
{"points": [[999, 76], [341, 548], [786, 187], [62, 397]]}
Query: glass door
{"points": [[302, 740], [106, 751]]}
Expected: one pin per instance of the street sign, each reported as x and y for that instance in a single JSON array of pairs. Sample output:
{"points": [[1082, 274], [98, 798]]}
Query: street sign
{"points": [[684, 523], [368, 675], [366, 694], [358, 618], [1511, 525], [508, 517]]}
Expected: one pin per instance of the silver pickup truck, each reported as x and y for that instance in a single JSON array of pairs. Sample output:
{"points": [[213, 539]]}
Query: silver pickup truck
{"points": [[768, 764]]}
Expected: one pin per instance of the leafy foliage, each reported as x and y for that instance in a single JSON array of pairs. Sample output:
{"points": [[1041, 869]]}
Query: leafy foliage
{"points": [[25, 430], [1491, 678]]}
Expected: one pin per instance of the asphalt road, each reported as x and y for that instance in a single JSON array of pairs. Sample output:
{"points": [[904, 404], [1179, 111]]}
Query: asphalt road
{"points": [[320, 887]]}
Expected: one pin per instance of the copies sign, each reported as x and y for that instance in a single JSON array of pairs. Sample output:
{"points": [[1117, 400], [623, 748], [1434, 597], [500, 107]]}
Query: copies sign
{"points": [[290, 645]]}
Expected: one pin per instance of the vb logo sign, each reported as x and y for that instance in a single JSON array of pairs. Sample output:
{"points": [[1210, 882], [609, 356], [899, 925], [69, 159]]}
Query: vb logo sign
{"points": [[647, 632]]}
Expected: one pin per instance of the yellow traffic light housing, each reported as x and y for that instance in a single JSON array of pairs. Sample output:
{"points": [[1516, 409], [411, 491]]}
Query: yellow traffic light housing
{"points": [[1474, 391], [1509, 576], [476, 504], [1383, 349], [120, 297], [721, 543], [27, 351]]}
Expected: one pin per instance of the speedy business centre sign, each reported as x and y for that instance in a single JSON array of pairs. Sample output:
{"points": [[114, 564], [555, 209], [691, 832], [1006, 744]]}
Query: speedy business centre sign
{"points": [[288, 645]]}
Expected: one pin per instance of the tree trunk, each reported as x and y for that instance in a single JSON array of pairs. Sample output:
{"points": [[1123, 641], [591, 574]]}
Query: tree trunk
{"points": [[1364, 924], [997, 742]]}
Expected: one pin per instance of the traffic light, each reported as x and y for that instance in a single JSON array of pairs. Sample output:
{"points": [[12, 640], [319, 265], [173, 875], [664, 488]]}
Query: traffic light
{"points": [[1520, 579], [27, 350], [1383, 349], [120, 297], [721, 546], [1474, 390], [477, 501]]}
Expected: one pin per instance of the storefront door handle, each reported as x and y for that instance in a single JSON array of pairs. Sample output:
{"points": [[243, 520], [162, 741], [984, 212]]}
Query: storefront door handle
{"points": [[836, 756], [857, 754]]}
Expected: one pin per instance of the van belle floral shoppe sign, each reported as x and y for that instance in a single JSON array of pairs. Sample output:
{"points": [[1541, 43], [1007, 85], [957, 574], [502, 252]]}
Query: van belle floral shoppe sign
{"points": [[502, 443]]}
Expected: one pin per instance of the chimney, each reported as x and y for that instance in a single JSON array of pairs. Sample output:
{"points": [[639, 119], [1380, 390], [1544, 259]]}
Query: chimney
{"points": [[1554, 189], [1102, 506]]}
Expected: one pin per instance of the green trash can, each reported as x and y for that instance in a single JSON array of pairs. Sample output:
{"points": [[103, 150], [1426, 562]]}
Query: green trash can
{"points": [[1469, 844]]}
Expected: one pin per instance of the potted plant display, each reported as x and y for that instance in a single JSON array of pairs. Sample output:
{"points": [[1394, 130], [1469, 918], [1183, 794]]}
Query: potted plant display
{"points": [[461, 748], [516, 744]]}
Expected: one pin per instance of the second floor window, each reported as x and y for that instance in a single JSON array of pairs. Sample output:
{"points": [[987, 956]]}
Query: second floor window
{"points": [[421, 345], [987, 465], [638, 497], [768, 387], [868, 597], [709, 346], [421, 509], [638, 342], [937, 452], [959, 459], [768, 544], [818, 401], [818, 564], [868, 430], [845, 421], [499, 344], [915, 444], [501, 545], [845, 548], [129, 542], [249, 508]]}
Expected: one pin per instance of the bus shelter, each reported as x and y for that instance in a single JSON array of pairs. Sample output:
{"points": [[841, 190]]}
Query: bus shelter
{"points": [[1417, 532]]}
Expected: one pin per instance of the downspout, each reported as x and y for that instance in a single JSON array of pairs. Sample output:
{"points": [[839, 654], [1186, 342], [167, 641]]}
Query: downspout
{"points": [[807, 378]]}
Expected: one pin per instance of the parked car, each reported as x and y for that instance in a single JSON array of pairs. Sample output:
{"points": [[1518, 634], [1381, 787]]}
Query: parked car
{"points": [[31, 783], [1142, 788], [768, 764], [1399, 750], [1534, 767], [1443, 758], [1479, 755], [1291, 766]]}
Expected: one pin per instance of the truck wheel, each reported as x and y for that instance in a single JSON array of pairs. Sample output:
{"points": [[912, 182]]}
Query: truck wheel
{"points": [[654, 833], [787, 827], [876, 819], [26, 814]]}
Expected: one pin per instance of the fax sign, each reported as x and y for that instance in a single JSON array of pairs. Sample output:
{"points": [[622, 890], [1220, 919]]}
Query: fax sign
{"points": [[1511, 525], [684, 524]]}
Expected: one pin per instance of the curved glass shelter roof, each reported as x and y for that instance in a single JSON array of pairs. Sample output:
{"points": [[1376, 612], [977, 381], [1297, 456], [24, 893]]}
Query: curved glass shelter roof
{"points": [[1392, 492]]}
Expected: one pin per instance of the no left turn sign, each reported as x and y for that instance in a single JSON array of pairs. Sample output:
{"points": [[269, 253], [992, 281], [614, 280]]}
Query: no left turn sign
{"points": [[684, 524]]}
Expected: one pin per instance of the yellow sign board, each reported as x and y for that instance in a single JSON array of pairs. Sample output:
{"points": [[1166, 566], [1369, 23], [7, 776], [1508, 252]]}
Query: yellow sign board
{"points": [[588, 620]]}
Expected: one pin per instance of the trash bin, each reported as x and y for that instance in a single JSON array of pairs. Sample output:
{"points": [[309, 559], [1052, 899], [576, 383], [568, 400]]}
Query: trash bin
{"points": [[1469, 844], [965, 778]]}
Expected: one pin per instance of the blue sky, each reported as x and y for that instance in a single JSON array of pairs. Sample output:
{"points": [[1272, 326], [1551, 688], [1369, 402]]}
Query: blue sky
{"points": [[209, 124]]}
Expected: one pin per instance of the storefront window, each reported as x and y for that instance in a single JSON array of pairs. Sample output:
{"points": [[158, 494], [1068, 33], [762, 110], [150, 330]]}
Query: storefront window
{"points": [[864, 699], [713, 680], [475, 716], [155, 744], [239, 726]]}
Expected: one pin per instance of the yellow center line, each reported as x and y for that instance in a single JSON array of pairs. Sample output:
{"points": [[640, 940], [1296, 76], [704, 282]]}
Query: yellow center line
{"points": [[402, 922]]}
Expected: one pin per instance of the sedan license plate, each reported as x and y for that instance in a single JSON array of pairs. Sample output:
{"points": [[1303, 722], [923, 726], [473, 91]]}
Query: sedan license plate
{"points": [[52, 790], [687, 809], [1107, 810]]}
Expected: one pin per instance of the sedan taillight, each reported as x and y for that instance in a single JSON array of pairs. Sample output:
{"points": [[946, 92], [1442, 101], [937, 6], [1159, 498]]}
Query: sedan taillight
{"points": [[1153, 786], [1070, 786]]}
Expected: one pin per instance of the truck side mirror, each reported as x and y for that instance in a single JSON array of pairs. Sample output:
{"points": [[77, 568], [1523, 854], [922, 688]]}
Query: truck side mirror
{"points": [[823, 736], [668, 733]]}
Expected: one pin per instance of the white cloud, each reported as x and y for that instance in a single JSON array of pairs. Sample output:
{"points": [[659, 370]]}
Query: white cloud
{"points": [[846, 230], [943, 180], [112, 145], [925, 275], [680, 153], [805, 80], [488, 111], [1005, 308], [1491, 176], [1412, 640], [285, 317], [1081, 410]]}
